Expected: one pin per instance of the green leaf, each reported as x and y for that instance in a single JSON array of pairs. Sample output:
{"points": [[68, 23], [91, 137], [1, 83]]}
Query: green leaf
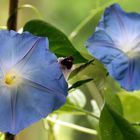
{"points": [[112, 124], [131, 105], [114, 127], [76, 100], [59, 43], [79, 69], [110, 93], [80, 83], [114, 102], [69, 109]]}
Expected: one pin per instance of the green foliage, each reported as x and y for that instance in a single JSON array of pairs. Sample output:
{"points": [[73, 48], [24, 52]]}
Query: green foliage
{"points": [[79, 69], [2, 136], [131, 105], [80, 83], [112, 100], [112, 124], [76, 100], [59, 43], [70, 109]]}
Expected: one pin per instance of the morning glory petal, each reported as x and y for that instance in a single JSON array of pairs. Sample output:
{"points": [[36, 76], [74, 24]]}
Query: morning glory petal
{"points": [[42, 67], [120, 26], [14, 49], [103, 48], [5, 109], [131, 81], [116, 43], [32, 84], [32, 104]]}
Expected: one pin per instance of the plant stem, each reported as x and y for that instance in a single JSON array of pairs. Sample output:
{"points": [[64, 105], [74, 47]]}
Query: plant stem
{"points": [[24, 6], [9, 136], [12, 22], [50, 131], [73, 126]]}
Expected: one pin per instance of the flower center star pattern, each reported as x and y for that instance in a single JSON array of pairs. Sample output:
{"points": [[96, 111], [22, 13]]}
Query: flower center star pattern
{"points": [[31, 82], [116, 43]]}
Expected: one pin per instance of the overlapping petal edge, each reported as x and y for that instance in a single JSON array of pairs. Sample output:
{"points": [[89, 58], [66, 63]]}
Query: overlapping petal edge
{"points": [[116, 43], [42, 89]]}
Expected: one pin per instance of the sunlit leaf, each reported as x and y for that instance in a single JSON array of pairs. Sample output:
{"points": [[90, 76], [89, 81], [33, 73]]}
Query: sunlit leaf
{"points": [[131, 105], [59, 43], [112, 124], [80, 83], [76, 100], [70, 109], [79, 69], [115, 127], [113, 101]]}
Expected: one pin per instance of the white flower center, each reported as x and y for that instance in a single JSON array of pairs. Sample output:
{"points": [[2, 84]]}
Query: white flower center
{"points": [[129, 44]]}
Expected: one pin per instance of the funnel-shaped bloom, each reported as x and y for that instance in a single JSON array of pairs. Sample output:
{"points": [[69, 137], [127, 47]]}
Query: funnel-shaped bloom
{"points": [[116, 43], [31, 82]]}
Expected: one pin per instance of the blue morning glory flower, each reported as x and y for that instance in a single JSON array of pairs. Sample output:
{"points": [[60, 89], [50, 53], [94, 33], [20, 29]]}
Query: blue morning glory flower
{"points": [[116, 43], [31, 82]]}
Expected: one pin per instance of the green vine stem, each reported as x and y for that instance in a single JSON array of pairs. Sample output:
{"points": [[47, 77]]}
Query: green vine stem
{"points": [[29, 6], [50, 131], [84, 111], [73, 126], [12, 22]]}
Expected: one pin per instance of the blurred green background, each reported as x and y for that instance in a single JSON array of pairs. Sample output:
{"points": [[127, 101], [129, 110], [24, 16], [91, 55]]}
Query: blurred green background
{"points": [[67, 15]]}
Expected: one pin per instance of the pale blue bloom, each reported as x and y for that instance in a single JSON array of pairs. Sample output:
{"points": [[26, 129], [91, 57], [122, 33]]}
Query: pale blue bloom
{"points": [[116, 43], [31, 82]]}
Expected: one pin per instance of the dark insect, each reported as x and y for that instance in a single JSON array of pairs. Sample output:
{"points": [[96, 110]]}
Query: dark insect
{"points": [[67, 62]]}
